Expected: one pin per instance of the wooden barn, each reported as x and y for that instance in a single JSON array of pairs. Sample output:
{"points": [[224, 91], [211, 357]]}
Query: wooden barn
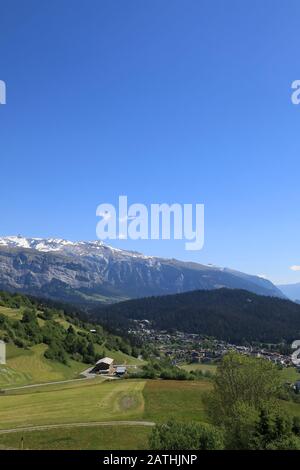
{"points": [[104, 366]]}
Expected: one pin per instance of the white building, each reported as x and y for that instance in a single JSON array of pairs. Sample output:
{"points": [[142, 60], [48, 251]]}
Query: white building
{"points": [[2, 352]]}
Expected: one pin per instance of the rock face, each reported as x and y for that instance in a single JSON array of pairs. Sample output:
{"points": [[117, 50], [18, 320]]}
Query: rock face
{"points": [[92, 271]]}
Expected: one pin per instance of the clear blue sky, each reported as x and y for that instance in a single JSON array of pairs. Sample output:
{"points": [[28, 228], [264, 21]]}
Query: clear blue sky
{"points": [[166, 101]]}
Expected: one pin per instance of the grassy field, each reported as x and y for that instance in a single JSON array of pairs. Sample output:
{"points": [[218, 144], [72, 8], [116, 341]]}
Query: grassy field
{"points": [[165, 399], [13, 313], [203, 367], [114, 400], [95, 438], [89, 401], [94, 401], [99, 400], [30, 366]]}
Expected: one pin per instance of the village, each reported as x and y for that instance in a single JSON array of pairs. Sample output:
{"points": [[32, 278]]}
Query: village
{"points": [[191, 348]]}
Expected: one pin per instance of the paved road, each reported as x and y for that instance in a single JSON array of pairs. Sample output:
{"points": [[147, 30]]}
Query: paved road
{"points": [[78, 425]]}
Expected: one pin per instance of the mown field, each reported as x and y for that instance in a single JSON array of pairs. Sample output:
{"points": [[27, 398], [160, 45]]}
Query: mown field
{"points": [[89, 402], [95, 405], [115, 400], [29, 366], [88, 438]]}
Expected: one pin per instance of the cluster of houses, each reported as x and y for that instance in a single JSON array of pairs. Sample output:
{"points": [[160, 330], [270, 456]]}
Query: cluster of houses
{"points": [[194, 348]]}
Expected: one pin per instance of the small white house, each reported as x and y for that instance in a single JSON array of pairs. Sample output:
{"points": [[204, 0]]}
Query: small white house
{"points": [[2, 352]]}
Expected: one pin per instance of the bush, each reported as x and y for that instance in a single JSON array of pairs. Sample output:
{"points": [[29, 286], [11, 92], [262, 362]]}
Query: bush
{"points": [[186, 436]]}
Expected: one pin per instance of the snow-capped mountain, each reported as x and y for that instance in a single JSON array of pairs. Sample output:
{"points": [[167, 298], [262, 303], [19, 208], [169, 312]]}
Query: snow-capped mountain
{"points": [[94, 248], [91, 271]]}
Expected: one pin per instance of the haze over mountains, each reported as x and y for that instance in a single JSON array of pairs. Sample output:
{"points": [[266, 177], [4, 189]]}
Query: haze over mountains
{"points": [[292, 291], [92, 271]]}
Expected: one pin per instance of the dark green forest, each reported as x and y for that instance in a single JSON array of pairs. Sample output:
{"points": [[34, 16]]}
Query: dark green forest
{"points": [[235, 316]]}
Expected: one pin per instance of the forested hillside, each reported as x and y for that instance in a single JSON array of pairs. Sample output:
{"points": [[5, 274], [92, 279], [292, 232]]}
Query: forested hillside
{"points": [[26, 322], [231, 315]]}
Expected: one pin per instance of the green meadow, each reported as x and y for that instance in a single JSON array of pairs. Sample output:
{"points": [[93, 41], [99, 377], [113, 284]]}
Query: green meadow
{"points": [[85, 412], [88, 438], [29, 366], [88, 402]]}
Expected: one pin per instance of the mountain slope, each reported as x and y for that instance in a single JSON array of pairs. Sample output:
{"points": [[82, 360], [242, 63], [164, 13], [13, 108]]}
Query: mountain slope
{"points": [[231, 315], [93, 271], [46, 343], [292, 291]]}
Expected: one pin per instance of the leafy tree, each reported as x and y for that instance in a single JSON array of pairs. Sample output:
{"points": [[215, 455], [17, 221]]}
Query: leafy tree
{"points": [[29, 316], [56, 352], [296, 425], [186, 436], [243, 386]]}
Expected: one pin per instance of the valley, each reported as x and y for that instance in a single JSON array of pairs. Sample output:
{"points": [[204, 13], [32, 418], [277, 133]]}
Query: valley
{"points": [[45, 402]]}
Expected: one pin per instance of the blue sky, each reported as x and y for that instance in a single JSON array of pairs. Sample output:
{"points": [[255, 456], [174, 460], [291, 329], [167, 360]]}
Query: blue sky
{"points": [[164, 101]]}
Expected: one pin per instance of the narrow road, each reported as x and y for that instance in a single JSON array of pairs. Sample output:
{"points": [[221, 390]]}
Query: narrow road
{"points": [[47, 383], [78, 425]]}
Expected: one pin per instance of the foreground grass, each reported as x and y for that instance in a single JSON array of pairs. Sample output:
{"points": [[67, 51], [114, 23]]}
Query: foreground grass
{"points": [[96, 438], [89, 401], [101, 401], [108, 401], [165, 399]]}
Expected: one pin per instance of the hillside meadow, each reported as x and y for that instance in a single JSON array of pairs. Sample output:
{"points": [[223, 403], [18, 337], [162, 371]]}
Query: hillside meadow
{"points": [[89, 403]]}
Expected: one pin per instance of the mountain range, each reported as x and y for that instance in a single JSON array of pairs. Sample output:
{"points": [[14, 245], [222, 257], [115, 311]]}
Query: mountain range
{"points": [[83, 272]]}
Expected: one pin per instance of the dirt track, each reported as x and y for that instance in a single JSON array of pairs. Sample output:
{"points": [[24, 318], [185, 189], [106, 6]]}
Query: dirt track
{"points": [[77, 425]]}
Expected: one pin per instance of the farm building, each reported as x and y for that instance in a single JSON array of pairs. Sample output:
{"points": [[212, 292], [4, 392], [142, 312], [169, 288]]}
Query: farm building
{"points": [[2, 352], [104, 366]]}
